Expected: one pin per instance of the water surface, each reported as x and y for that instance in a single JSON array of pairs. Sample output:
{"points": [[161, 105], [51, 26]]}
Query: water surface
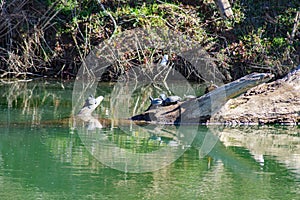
{"points": [[44, 156]]}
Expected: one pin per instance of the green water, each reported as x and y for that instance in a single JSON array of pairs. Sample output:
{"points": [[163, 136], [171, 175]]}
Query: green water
{"points": [[44, 156]]}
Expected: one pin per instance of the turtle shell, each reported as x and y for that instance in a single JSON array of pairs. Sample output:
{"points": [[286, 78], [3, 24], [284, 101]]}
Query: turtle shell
{"points": [[156, 101], [171, 100]]}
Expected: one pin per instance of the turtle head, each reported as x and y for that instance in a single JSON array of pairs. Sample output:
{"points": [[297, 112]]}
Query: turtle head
{"points": [[90, 105], [163, 96]]}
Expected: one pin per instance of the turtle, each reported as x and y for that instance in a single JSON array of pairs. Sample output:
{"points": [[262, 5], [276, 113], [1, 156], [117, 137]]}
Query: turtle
{"points": [[170, 100], [91, 103], [156, 101]]}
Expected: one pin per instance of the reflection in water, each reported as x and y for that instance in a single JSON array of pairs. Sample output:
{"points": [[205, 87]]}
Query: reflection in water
{"points": [[49, 162], [89, 123], [43, 159], [237, 153], [137, 149], [282, 143], [33, 102]]}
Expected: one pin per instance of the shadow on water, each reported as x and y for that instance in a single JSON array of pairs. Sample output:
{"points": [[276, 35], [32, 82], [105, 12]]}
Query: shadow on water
{"points": [[52, 160]]}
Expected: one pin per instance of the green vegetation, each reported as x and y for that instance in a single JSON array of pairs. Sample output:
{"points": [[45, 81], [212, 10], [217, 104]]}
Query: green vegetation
{"points": [[52, 37]]}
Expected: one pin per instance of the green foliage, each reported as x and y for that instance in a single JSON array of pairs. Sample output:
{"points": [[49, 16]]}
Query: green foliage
{"points": [[279, 42], [259, 33], [141, 16], [65, 6]]}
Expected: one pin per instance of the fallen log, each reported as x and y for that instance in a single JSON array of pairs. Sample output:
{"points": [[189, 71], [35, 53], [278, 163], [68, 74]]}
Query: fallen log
{"points": [[200, 109], [277, 102]]}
